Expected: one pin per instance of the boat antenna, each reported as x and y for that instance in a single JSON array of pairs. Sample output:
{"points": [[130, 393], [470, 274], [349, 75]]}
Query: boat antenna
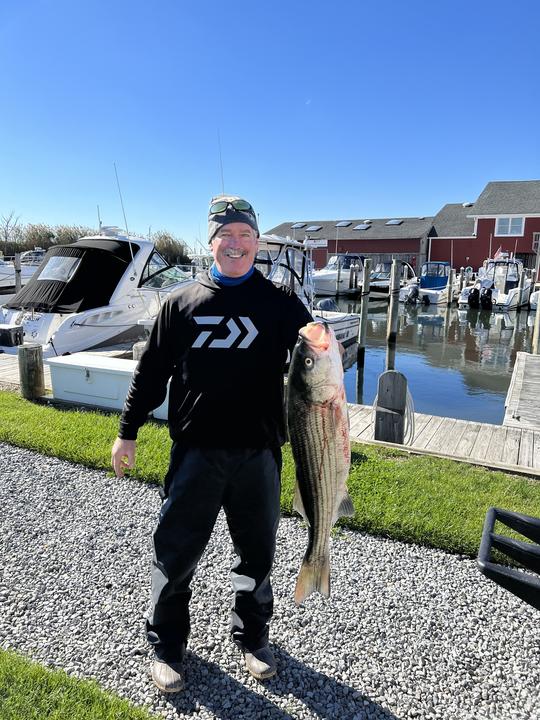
{"points": [[125, 219], [221, 164], [99, 218]]}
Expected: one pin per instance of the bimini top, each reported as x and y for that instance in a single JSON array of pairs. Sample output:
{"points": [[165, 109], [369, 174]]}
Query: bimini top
{"points": [[76, 277]]}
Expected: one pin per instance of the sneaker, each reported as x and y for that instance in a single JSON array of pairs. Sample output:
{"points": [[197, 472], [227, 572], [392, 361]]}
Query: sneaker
{"points": [[169, 677], [261, 663]]}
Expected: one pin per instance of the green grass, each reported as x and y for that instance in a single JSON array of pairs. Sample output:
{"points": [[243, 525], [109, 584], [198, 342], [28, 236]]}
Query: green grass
{"points": [[29, 691], [413, 498]]}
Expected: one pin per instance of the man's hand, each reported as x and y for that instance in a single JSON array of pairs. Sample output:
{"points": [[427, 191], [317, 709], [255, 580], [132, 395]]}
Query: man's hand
{"points": [[123, 456]]}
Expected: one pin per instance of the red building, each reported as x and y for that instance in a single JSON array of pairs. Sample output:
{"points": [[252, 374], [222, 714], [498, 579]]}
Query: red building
{"points": [[506, 217]]}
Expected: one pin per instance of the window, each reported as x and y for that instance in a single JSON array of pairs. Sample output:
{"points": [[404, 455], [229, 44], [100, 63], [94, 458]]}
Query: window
{"points": [[313, 228], [509, 226], [59, 268], [362, 226], [343, 223], [394, 222], [297, 226]]}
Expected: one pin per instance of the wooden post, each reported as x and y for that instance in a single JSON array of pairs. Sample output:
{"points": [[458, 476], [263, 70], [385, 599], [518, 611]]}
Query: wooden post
{"points": [[461, 278], [362, 328], [392, 324], [17, 266], [521, 285], [31, 371], [450, 287], [390, 411], [338, 278], [535, 349]]}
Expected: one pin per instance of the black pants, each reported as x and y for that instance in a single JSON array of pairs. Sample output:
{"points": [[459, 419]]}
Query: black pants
{"points": [[246, 483]]}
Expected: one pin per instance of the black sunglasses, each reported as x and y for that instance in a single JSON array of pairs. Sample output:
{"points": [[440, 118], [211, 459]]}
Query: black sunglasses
{"points": [[221, 205]]}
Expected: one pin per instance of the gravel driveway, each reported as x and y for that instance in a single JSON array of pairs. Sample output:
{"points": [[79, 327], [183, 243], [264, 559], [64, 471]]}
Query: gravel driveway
{"points": [[407, 633]]}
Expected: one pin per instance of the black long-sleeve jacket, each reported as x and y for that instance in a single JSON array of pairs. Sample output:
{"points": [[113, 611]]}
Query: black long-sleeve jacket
{"points": [[224, 350]]}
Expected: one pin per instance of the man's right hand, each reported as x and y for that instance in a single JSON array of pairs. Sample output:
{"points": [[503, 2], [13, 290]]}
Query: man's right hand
{"points": [[123, 456]]}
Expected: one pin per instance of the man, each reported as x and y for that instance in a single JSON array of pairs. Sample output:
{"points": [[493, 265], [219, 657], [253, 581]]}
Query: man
{"points": [[223, 343]]}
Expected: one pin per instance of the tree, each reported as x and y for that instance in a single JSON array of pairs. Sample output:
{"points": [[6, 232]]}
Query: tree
{"points": [[173, 249], [9, 225]]}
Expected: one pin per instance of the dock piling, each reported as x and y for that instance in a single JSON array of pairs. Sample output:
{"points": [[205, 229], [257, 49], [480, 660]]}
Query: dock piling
{"points": [[30, 356], [17, 266], [362, 328]]}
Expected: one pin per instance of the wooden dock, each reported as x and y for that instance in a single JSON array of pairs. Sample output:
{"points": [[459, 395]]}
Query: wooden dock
{"points": [[523, 398], [503, 447], [495, 446]]}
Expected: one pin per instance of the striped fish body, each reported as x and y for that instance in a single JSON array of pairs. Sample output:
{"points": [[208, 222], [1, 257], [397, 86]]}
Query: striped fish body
{"points": [[319, 434]]}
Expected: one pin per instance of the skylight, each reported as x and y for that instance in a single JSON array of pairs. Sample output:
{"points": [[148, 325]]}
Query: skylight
{"points": [[297, 225], [362, 226], [394, 222], [313, 228], [343, 223]]}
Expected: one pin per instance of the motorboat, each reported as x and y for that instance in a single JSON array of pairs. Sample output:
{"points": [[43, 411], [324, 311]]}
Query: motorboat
{"points": [[7, 274], [432, 285], [497, 286], [288, 263], [342, 275], [379, 279], [89, 294]]}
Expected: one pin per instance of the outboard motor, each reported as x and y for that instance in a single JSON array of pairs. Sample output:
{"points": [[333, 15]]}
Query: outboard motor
{"points": [[486, 301], [474, 298], [328, 304], [412, 295]]}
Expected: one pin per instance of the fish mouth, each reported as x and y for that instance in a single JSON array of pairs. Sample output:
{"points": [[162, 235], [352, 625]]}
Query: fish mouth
{"points": [[317, 335]]}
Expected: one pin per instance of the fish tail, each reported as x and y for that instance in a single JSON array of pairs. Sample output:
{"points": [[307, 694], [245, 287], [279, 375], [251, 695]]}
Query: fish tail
{"points": [[313, 577]]}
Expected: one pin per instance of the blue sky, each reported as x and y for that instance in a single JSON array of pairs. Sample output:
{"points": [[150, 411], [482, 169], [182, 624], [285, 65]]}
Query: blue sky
{"points": [[324, 110]]}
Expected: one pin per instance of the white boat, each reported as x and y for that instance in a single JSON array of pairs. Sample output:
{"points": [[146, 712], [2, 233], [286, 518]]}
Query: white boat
{"points": [[342, 275], [88, 294], [497, 286], [379, 279], [288, 262], [432, 285], [534, 299], [7, 274]]}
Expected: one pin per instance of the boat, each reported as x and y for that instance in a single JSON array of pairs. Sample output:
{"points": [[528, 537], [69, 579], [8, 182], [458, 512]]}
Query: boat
{"points": [[534, 299], [379, 279], [342, 275], [288, 263], [432, 285], [89, 294], [497, 286], [7, 274]]}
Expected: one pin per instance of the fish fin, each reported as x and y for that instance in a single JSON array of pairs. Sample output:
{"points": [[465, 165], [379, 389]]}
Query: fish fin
{"points": [[298, 503], [313, 577], [344, 509]]}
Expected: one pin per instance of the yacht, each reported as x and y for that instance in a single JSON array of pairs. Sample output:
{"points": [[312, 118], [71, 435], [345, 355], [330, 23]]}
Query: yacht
{"points": [[7, 275], [379, 279], [497, 286], [342, 275], [289, 263], [89, 294], [432, 285]]}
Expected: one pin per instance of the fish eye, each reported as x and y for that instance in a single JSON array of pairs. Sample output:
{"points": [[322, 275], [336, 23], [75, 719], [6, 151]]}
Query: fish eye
{"points": [[309, 362]]}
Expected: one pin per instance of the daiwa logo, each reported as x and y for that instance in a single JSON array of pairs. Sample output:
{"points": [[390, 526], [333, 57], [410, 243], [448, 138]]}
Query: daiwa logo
{"points": [[235, 330]]}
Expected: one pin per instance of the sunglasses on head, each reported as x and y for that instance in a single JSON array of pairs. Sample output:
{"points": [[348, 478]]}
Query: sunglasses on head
{"points": [[221, 205]]}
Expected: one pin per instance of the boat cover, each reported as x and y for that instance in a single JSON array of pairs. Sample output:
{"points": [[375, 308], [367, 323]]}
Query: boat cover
{"points": [[85, 280]]}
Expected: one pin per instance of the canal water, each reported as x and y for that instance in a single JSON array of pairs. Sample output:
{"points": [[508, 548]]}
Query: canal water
{"points": [[458, 363]]}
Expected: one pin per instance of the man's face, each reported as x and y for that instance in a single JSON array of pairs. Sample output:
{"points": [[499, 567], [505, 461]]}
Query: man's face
{"points": [[234, 249]]}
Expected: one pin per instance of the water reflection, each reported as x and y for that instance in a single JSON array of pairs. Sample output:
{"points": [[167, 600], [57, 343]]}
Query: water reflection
{"points": [[458, 363]]}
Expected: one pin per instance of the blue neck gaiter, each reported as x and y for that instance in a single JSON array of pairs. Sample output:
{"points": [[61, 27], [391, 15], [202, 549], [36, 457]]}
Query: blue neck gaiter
{"points": [[229, 281]]}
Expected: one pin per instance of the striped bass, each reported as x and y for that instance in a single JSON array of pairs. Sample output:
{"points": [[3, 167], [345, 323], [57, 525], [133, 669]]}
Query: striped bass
{"points": [[319, 433]]}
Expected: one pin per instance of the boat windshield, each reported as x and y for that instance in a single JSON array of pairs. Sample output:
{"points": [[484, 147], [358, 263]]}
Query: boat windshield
{"points": [[345, 261], [435, 270], [382, 271], [155, 264], [285, 266], [502, 271], [168, 276]]}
